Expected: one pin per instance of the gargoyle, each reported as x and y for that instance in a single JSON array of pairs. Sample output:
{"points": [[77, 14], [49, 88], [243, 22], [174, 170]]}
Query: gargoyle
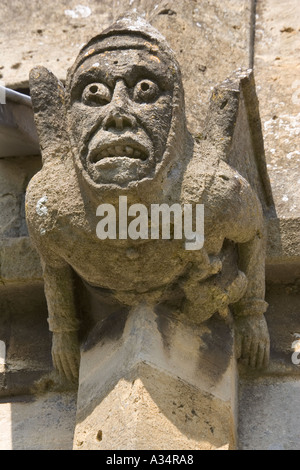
{"points": [[118, 128]]}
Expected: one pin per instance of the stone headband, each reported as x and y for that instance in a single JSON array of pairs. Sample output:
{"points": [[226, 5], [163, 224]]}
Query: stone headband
{"points": [[122, 36]]}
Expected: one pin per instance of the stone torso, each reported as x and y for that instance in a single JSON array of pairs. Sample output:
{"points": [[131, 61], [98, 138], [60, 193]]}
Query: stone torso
{"points": [[66, 229]]}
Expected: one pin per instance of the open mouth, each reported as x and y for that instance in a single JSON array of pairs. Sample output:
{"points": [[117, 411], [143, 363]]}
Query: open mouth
{"points": [[131, 150]]}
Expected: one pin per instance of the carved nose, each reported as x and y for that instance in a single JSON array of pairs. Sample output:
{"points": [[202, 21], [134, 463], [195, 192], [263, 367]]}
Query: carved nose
{"points": [[119, 117], [119, 120]]}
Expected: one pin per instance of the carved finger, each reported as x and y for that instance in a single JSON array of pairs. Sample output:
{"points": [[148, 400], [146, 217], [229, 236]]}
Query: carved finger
{"points": [[73, 361], [54, 359], [253, 354], [48, 102], [266, 355], [246, 348], [238, 345], [57, 364], [66, 368], [260, 356]]}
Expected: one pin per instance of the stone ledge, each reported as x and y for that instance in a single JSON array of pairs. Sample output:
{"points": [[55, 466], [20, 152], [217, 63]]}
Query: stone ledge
{"points": [[283, 250]]}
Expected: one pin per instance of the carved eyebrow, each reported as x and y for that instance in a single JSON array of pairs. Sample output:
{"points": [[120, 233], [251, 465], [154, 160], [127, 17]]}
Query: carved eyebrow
{"points": [[93, 73], [140, 71], [136, 72]]}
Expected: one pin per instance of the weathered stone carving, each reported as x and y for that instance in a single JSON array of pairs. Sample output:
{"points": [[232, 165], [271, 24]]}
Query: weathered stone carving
{"points": [[118, 128]]}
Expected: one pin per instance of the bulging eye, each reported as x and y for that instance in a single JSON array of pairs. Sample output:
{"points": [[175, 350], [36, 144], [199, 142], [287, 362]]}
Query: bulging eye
{"points": [[145, 91], [96, 94]]}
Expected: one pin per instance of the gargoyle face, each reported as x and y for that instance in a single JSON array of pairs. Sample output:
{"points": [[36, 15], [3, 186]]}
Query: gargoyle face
{"points": [[120, 114]]}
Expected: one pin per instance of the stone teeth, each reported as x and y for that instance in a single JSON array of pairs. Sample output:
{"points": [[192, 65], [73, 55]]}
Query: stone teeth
{"points": [[119, 150], [112, 151], [129, 150]]}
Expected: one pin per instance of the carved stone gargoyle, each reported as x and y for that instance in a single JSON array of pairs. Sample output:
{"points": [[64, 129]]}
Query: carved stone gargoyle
{"points": [[118, 128]]}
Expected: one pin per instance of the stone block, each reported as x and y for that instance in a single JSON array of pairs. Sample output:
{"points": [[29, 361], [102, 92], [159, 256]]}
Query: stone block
{"points": [[154, 383]]}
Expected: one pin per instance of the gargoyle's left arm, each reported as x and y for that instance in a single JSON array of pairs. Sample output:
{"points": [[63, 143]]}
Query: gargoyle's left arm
{"points": [[247, 230], [252, 337]]}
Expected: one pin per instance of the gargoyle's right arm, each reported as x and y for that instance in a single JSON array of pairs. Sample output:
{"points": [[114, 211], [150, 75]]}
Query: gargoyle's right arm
{"points": [[62, 319], [48, 100], [58, 279]]}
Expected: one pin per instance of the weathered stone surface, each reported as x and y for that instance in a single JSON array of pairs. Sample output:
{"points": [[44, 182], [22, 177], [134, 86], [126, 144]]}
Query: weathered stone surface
{"points": [[19, 261], [15, 173], [211, 39], [269, 415], [154, 383], [228, 19], [283, 250], [118, 128], [24, 331], [18, 135], [38, 423], [149, 410], [277, 46]]}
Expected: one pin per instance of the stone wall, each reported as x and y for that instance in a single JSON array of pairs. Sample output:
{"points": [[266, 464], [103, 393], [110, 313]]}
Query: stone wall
{"points": [[211, 39]]}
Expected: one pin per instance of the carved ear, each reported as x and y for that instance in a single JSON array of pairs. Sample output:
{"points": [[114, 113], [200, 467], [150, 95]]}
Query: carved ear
{"points": [[222, 115], [233, 128], [48, 102]]}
